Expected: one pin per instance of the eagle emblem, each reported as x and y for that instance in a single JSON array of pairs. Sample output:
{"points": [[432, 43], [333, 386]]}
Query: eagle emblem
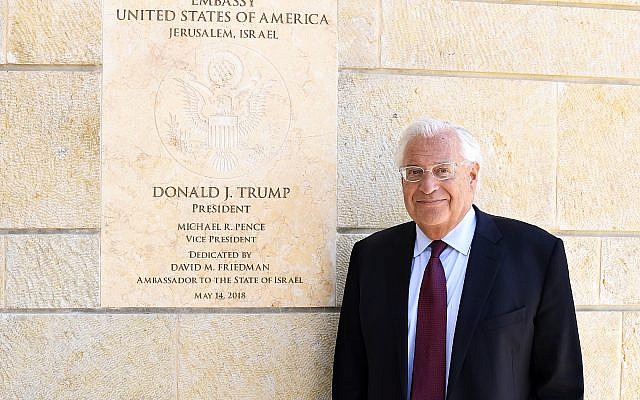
{"points": [[223, 112]]}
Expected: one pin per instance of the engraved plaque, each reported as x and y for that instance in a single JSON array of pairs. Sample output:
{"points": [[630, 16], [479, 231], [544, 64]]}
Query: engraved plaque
{"points": [[218, 153]]}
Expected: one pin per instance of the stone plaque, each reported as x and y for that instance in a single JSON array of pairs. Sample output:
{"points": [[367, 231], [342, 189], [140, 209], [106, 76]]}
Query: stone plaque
{"points": [[218, 153]]}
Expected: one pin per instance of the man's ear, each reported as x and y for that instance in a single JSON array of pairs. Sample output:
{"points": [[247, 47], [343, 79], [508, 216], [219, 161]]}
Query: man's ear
{"points": [[473, 174]]}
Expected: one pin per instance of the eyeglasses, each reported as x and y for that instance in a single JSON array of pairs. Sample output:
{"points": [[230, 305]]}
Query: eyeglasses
{"points": [[440, 171]]}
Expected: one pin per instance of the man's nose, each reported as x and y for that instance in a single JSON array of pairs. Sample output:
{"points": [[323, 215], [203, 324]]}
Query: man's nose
{"points": [[429, 184]]}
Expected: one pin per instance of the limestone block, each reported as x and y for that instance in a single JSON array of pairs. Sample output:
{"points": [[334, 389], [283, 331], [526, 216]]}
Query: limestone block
{"points": [[49, 149], [631, 356], [620, 271], [3, 25], [600, 334], [344, 245], [266, 356], [623, 4], [50, 271], [87, 357], [598, 181], [513, 120], [358, 33], [597, 42], [583, 256], [509, 38], [2, 268], [54, 32]]}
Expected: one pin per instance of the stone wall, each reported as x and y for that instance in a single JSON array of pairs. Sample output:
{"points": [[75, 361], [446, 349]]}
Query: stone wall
{"points": [[552, 90]]}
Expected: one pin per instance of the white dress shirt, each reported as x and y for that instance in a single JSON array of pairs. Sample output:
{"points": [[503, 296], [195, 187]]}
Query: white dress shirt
{"points": [[454, 259]]}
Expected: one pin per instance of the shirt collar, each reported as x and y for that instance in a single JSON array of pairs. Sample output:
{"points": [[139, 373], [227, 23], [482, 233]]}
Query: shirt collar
{"points": [[459, 238]]}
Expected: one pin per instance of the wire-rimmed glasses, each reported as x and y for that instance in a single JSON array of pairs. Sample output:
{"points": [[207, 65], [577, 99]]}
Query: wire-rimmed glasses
{"points": [[440, 171]]}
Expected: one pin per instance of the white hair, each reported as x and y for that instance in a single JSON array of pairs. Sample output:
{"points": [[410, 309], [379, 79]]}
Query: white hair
{"points": [[429, 127]]}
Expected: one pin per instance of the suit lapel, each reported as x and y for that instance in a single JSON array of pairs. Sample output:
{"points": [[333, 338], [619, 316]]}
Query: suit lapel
{"points": [[482, 268], [398, 270]]}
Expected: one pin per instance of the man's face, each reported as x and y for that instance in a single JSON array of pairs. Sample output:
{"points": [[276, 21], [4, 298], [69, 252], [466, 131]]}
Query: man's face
{"points": [[438, 206]]}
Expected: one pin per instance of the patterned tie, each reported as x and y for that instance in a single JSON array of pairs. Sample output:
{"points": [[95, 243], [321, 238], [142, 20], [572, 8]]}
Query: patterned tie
{"points": [[431, 331]]}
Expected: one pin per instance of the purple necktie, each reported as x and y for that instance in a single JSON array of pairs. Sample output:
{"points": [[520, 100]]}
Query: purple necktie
{"points": [[428, 381]]}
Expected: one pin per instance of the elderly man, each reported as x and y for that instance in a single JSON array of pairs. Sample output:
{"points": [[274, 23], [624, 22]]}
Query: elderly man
{"points": [[456, 304]]}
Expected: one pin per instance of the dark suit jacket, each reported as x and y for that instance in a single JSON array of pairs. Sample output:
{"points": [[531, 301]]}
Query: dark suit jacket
{"points": [[516, 336]]}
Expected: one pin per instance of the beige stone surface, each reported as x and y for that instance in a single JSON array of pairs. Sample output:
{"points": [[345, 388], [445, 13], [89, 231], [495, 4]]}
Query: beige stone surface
{"points": [[620, 271], [596, 42], [511, 119], [600, 335], [583, 257], [344, 245], [230, 115], [266, 356], [88, 357], [49, 149], [54, 32], [2, 269], [506, 38], [622, 4], [52, 271], [631, 356], [3, 30], [358, 30], [597, 179]]}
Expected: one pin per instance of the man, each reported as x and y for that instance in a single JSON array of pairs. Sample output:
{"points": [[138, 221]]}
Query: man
{"points": [[457, 304]]}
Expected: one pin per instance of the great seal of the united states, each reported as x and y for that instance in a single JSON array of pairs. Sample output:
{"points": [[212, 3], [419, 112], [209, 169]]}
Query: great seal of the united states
{"points": [[223, 111]]}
